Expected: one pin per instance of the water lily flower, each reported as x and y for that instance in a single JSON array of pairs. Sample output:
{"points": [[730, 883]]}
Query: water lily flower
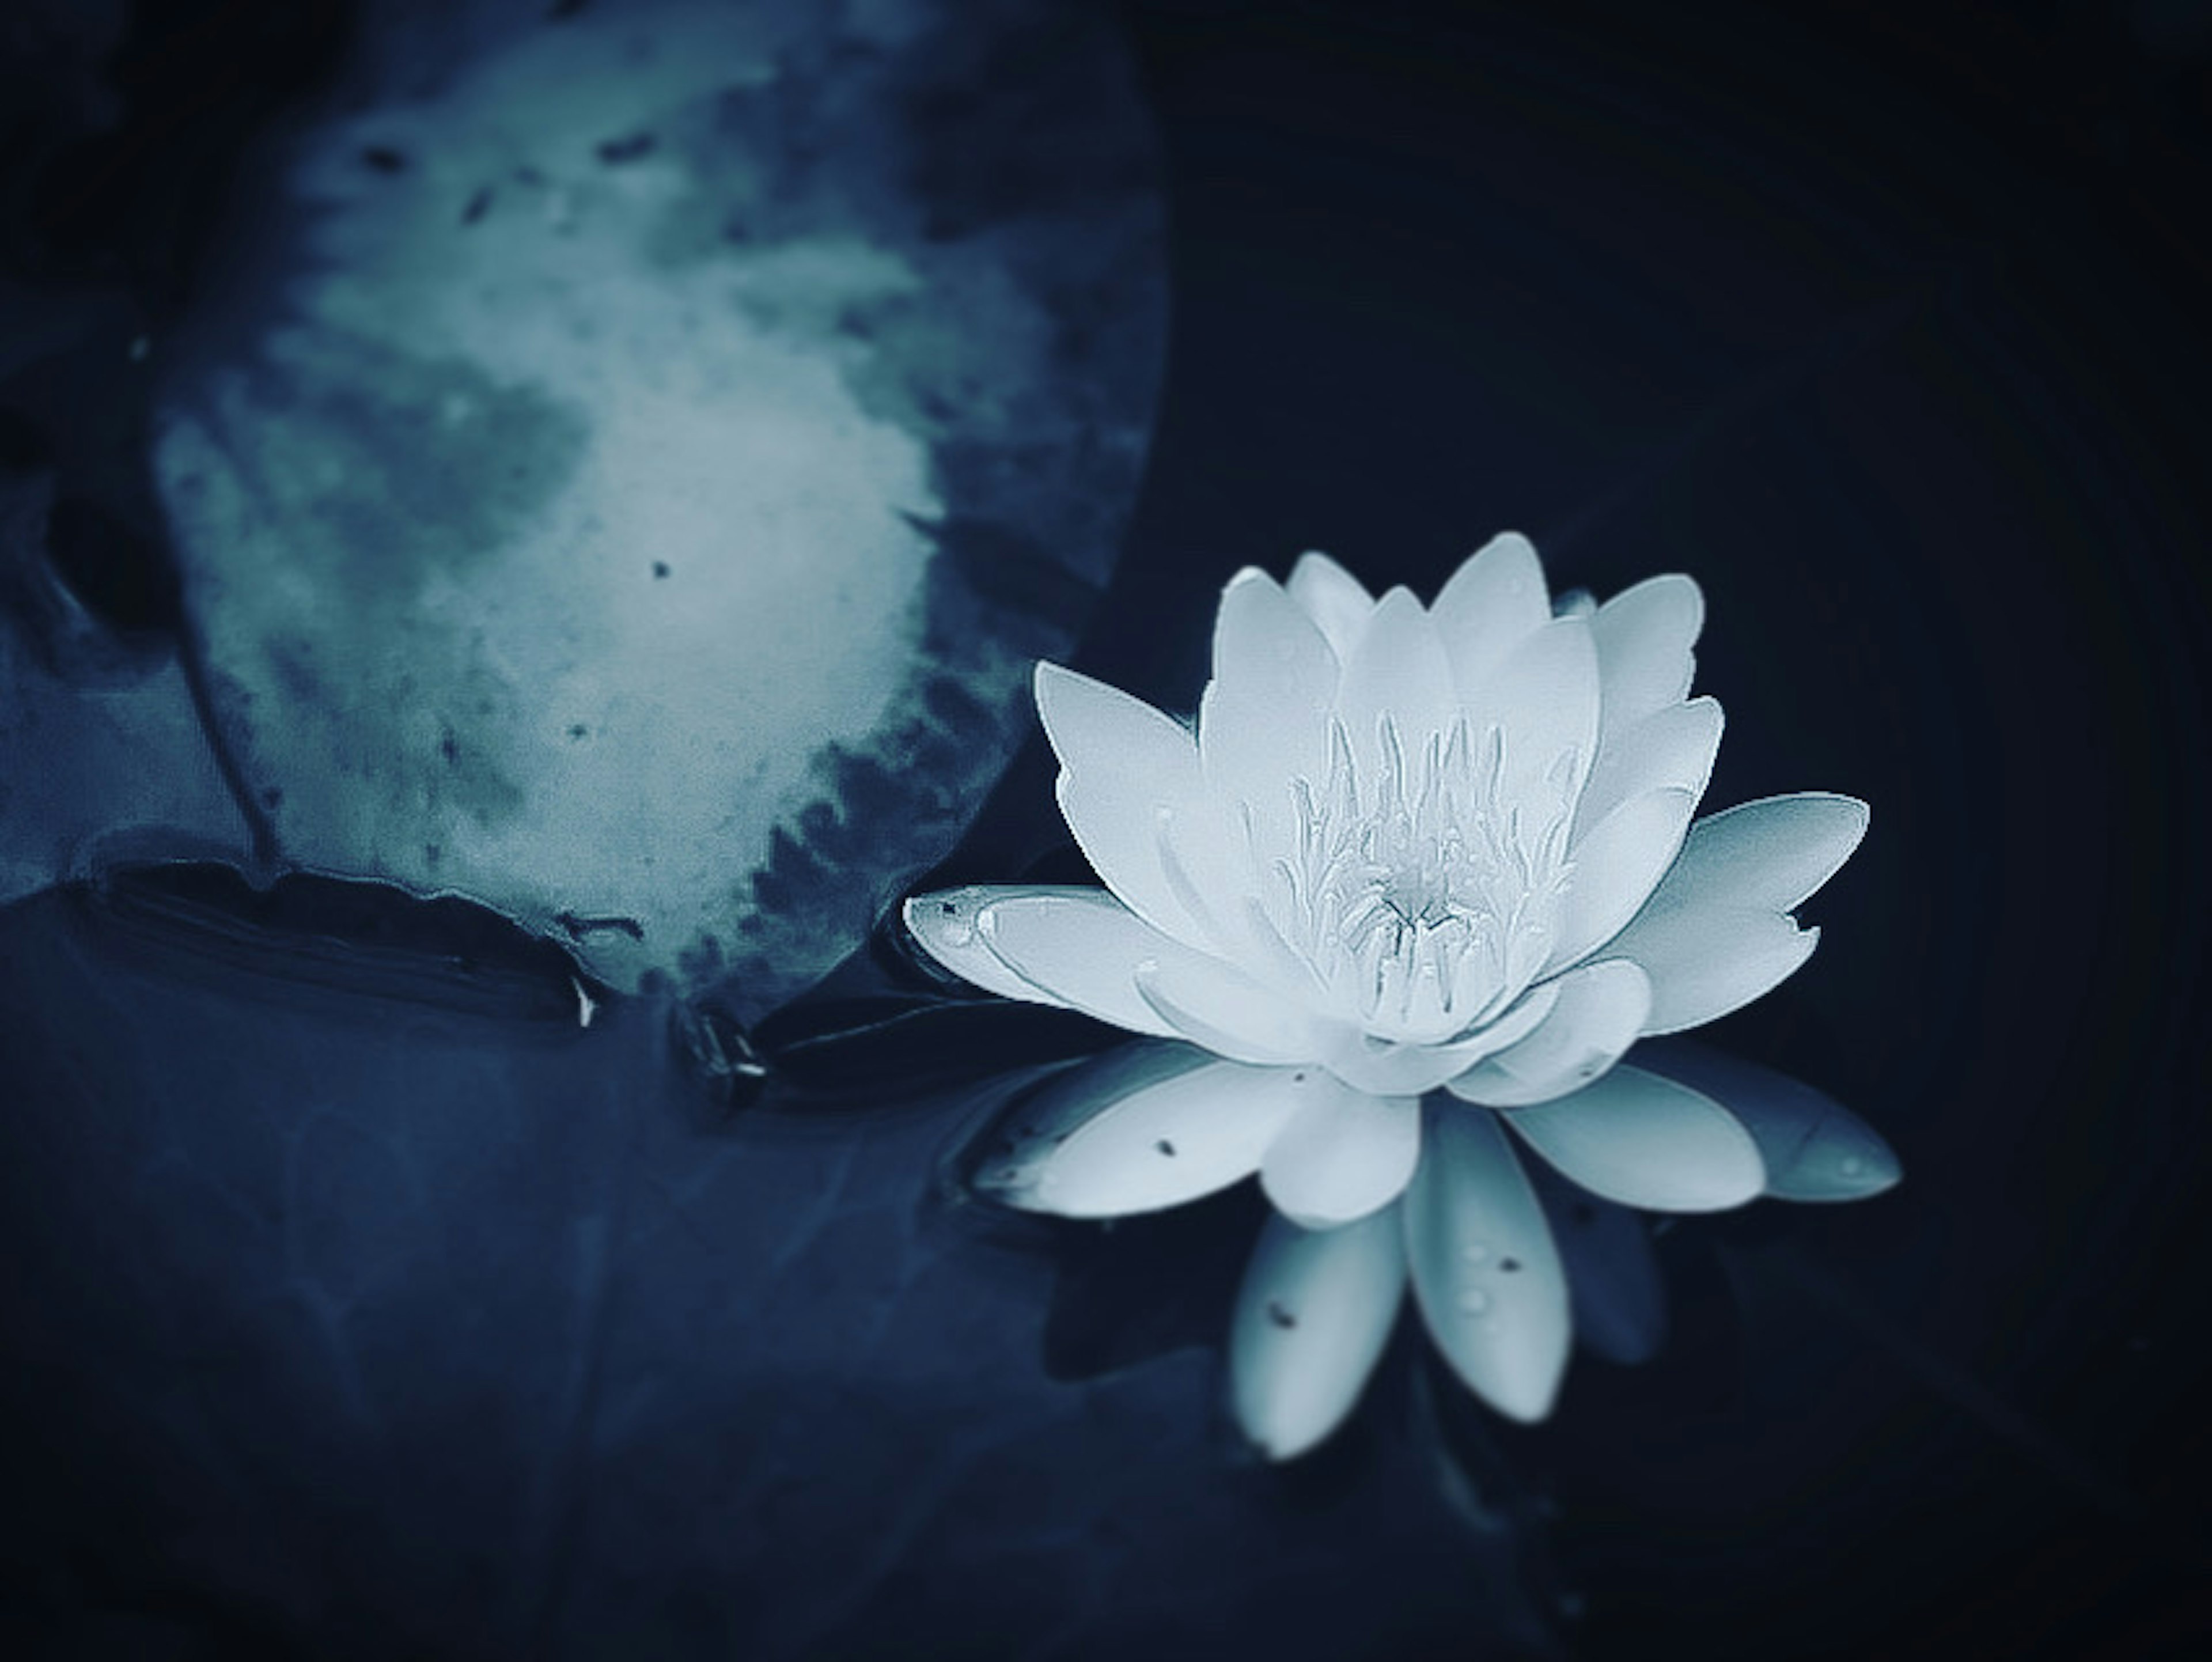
{"points": [[1406, 852]]}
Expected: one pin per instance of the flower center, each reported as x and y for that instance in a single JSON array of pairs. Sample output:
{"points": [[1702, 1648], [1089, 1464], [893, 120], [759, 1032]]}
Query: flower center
{"points": [[1422, 890]]}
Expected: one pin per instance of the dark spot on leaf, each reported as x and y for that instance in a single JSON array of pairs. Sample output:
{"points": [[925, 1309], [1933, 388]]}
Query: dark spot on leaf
{"points": [[948, 909], [384, 159], [577, 730], [660, 568], [272, 795], [479, 205], [1165, 1146], [1508, 1266], [616, 151], [450, 748], [1280, 1317]]}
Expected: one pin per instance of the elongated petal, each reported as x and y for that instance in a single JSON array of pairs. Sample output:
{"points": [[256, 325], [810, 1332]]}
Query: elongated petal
{"points": [[1220, 1007], [1409, 1069], [1486, 1273], [1597, 1015], [1490, 604], [1343, 1155], [1644, 638], [1544, 699], [1397, 674], [1613, 1286], [1816, 1148], [1617, 865], [1145, 1132], [1707, 960], [1081, 948], [1644, 1140], [1124, 767], [1337, 601], [1263, 720], [1265, 647], [1772, 854], [944, 924], [1674, 747], [1313, 1315]]}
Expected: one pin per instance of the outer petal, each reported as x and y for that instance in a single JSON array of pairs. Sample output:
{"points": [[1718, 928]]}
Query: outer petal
{"points": [[1815, 1149], [1312, 1317], [1398, 673], [1597, 1015], [1126, 768], [1772, 853], [1644, 637], [1080, 947], [1486, 1273], [944, 925], [1614, 1285], [1707, 960], [1617, 865], [1345, 1155], [1490, 604], [1220, 1007], [1644, 1140], [1672, 748], [1142, 1128], [1337, 601]]}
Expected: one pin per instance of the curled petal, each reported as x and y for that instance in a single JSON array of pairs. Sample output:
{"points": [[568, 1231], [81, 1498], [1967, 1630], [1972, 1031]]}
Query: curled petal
{"points": [[945, 924], [1343, 1155], [1337, 601], [1386, 1069], [1143, 1128], [1646, 1141], [1486, 1273], [1492, 603], [1081, 948], [1674, 747], [1123, 765], [1597, 1013], [1616, 867], [1772, 854], [1707, 960], [1644, 637], [1816, 1148], [1314, 1313]]}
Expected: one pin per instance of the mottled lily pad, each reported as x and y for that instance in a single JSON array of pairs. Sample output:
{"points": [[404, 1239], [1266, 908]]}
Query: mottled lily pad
{"points": [[635, 452]]}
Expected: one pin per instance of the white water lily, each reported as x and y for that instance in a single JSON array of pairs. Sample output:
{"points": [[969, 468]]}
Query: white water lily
{"points": [[1407, 850]]}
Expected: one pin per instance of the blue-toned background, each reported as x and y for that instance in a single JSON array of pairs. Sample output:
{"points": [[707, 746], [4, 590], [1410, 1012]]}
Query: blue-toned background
{"points": [[357, 1301]]}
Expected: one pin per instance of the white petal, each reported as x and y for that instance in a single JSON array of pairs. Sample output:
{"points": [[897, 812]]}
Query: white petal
{"points": [[1674, 746], [1398, 672], [1082, 948], [1409, 1069], [1599, 1011], [1142, 1128], [944, 924], [1220, 1007], [1124, 766], [1314, 1313], [1545, 697], [1486, 1273], [1772, 853], [1253, 752], [1616, 868], [1344, 1155], [1705, 961], [1646, 1141], [1816, 1148], [1337, 601], [1265, 646], [1614, 1287], [1644, 635], [1492, 602]]}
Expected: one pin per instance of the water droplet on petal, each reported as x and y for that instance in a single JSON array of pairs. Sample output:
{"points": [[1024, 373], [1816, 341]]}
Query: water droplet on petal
{"points": [[1853, 1166], [1474, 1301], [1474, 1251]]}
